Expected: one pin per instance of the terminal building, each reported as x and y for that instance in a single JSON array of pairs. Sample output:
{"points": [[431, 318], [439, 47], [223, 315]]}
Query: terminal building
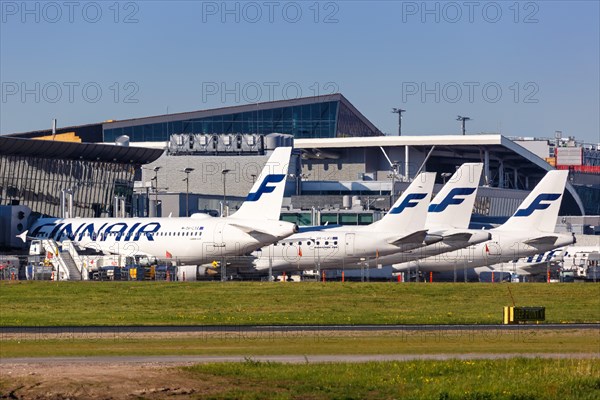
{"points": [[57, 178], [344, 169]]}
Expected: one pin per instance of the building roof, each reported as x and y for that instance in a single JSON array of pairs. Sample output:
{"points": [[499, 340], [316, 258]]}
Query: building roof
{"points": [[12, 146], [456, 148], [95, 129], [240, 109], [376, 141], [449, 146]]}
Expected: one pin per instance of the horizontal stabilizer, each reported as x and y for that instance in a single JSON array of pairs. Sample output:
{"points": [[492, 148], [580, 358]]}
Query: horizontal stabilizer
{"points": [[252, 231], [542, 240], [414, 238], [458, 237]]}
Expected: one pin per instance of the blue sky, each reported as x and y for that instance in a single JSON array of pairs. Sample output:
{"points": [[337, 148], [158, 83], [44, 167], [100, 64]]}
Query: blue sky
{"points": [[522, 69]]}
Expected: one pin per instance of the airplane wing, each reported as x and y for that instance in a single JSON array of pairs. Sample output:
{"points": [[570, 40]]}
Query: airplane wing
{"points": [[417, 237]]}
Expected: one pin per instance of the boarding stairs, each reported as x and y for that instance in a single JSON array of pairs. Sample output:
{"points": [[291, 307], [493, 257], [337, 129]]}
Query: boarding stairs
{"points": [[65, 260]]}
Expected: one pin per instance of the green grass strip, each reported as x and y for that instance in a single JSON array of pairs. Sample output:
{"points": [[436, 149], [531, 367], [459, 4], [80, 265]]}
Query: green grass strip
{"points": [[254, 303], [513, 379]]}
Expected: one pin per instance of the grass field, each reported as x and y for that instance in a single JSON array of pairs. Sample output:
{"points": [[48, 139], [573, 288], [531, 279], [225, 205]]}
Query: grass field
{"points": [[513, 379], [506, 379], [30, 303], [308, 343]]}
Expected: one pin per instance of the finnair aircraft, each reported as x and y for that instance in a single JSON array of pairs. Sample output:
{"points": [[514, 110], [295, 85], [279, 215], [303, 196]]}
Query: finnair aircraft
{"points": [[401, 229], [571, 257], [193, 240], [448, 216], [528, 232]]}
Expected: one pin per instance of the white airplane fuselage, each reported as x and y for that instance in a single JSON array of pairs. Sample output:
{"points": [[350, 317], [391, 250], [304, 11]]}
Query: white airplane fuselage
{"points": [[433, 249], [194, 240], [330, 248], [504, 246]]}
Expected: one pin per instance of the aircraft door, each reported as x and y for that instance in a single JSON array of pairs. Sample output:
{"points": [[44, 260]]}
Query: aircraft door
{"points": [[218, 234], [214, 248], [350, 244]]}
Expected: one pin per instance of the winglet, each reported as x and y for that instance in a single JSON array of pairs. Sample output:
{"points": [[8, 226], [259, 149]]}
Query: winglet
{"points": [[266, 196], [539, 210], [453, 205]]}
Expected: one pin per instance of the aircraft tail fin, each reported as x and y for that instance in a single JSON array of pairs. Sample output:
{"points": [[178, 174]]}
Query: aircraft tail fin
{"points": [[410, 210], [539, 210], [266, 196], [453, 205]]}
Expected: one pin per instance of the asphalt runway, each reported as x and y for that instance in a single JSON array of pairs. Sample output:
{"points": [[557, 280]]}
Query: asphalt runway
{"points": [[287, 359], [58, 330]]}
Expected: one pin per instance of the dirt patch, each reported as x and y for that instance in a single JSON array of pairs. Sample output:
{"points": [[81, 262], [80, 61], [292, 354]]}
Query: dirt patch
{"points": [[111, 381]]}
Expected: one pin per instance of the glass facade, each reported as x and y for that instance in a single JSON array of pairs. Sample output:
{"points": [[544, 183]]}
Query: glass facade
{"points": [[38, 183], [590, 197], [305, 121], [316, 120], [349, 125], [329, 218]]}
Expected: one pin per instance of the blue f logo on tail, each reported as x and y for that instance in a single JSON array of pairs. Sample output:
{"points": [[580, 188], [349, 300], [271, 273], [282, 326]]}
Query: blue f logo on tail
{"points": [[451, 199], [264, 186], [537, 204], [408, 202]]}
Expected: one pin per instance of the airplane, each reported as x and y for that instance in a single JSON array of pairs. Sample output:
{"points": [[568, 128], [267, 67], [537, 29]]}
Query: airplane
{"points": [[448, 216], [197, 239], [528, 232], [568, 258], [401, 229]]}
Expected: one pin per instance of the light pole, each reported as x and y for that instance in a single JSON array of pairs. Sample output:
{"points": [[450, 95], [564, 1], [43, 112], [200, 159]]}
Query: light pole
{"points": [[462, 121], [187, 190], [224, 172], [393, 191], [399, 111], [445, 175], [155, 179]]}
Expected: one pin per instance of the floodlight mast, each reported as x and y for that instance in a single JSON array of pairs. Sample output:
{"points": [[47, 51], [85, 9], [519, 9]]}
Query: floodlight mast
{"points": [[187, 172], [462, 121], [399, 111]]}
